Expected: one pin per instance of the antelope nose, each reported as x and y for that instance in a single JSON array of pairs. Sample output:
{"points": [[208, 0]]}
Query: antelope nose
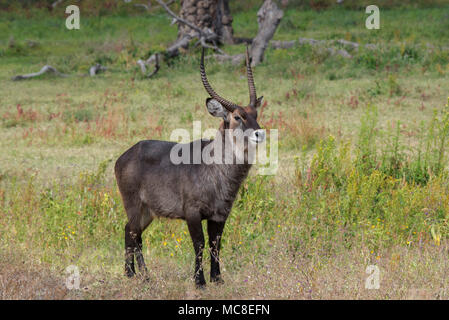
{"points": [[259, 135]]}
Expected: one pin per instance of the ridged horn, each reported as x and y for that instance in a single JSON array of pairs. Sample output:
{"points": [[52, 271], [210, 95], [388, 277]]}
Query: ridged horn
{"points": [[251, 86], [227, 104]]}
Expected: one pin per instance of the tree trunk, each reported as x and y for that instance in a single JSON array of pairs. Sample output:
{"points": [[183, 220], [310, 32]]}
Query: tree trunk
{"points": [[207, 14], [268, 17]]}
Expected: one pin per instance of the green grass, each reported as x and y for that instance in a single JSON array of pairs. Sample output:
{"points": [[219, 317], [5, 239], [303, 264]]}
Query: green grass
{"points": [[363, 155]]}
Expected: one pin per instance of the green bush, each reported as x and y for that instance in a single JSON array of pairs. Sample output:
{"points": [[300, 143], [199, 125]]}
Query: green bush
{"points": [[379, 192]]}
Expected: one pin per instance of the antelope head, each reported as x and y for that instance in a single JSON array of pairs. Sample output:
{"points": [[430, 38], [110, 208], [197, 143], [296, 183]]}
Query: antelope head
{"points": [[238, 121]]}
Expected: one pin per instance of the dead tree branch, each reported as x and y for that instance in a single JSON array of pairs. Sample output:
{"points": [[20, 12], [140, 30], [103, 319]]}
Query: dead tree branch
{"points": [[323, 43], [148, 6], [143, 65], [277, 44], [179, 19], [94, 70], [234, 59], [202, 35], [214, 47], [355, 45], [45, 69], [205, 37]]}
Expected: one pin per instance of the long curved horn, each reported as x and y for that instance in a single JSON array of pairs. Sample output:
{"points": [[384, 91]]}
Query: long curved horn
{"points": [[251, 86], [227, 104]]}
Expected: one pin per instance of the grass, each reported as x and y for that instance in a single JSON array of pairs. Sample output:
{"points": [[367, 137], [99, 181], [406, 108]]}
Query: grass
{"points": [[363, 157]]}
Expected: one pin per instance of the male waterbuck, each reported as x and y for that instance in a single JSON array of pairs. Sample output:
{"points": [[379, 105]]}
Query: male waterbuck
{"points": [[152, 185]]}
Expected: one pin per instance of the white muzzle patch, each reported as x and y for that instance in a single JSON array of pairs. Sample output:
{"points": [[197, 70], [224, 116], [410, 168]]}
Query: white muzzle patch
{"points": [[257, 136]]}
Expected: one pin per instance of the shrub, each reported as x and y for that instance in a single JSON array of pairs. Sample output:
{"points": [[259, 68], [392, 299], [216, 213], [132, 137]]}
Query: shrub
{"points": [[379, 193]]}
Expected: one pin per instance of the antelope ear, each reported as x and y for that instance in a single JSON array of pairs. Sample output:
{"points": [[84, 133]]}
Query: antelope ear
{"points": [[216, 109], [259, 101]]}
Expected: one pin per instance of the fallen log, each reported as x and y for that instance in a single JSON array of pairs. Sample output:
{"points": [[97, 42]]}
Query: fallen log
{"points": [[302, 41], [45, 69], [277, 44], [234, 59], [94, 70], [154, 59]]}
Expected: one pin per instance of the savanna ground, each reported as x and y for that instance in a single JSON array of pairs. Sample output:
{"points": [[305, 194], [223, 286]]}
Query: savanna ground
{"points": [[362, 176]]}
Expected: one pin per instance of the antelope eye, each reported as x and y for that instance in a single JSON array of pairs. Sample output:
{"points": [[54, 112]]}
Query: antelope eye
{"points": [[237, 118]]}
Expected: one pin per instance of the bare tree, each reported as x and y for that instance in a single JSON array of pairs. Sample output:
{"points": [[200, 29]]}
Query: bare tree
{"points": [[207, 23], [210, 22], [268, 17], [213, 15]]}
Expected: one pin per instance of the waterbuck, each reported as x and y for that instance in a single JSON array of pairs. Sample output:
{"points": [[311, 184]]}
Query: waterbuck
{"points": [[151, 185]]}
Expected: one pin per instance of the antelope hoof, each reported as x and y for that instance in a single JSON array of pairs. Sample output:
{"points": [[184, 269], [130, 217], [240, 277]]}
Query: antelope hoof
{"points": [[145, 278], [129, 272], [200, 284], [217, 280]]}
